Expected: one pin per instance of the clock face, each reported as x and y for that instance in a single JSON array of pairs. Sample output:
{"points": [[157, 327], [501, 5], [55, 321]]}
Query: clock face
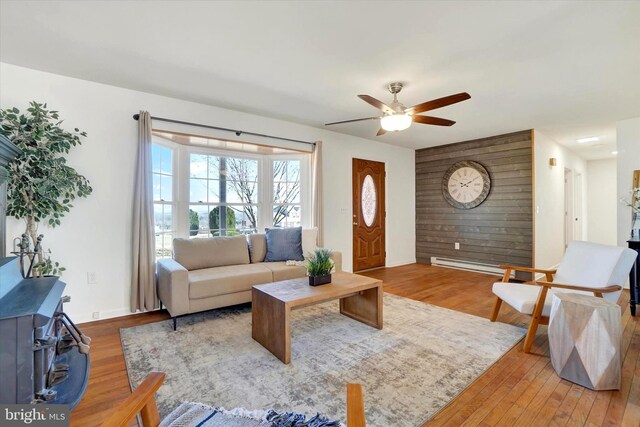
{"points": [[466, 184]]}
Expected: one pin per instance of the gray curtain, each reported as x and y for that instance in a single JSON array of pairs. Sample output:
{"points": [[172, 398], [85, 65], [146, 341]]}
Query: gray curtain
{"points": [[316, 198], [143, 283]]}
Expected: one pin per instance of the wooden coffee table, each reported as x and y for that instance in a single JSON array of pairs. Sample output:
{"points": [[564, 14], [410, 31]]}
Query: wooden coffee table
{"points": [[360, 298]]}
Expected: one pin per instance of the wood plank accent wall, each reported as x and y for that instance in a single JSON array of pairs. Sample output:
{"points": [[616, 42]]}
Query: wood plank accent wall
{"points": [[500, 230]]}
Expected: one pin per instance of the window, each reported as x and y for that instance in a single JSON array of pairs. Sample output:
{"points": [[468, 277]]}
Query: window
{"points": [[200, 191], [223, 195], [162, 171], [285, 203]]}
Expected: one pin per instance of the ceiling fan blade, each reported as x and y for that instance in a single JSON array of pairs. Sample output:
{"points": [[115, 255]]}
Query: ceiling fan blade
{"points": [[376, 103], [438, 103], [381, 132], [351, 121], [428, 120]]}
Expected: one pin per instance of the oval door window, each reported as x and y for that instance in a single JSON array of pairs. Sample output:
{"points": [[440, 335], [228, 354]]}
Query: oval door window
{"points": [[369, 199]]}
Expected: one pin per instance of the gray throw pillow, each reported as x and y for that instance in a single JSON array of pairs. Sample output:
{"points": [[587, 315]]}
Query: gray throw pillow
{"points": [[284, 244]]}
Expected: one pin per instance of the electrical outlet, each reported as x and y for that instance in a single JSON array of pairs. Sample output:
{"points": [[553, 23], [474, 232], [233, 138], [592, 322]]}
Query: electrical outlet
{"points": [[456, 246], [96, 315], [91, 278]]}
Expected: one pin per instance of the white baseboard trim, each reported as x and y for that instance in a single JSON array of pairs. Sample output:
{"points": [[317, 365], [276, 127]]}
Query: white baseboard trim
{"points": [[399, 263], [108, 314]]}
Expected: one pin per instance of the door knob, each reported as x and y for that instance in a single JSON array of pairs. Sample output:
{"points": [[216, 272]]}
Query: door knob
{"points": [[355, 223]]}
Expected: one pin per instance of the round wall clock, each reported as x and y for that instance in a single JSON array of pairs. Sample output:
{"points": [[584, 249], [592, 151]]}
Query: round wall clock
{"points": [[466, 184]]}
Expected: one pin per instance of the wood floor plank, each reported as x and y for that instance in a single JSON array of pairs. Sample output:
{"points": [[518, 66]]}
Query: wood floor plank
{"points": [[615, 411], [506, 389], [520, 405], [455, 414], [566, 408], [548, 410], [473, 413], [518, 390], [598, 413], [632, 410], [498, 412], [538, 402], [582, 409]]}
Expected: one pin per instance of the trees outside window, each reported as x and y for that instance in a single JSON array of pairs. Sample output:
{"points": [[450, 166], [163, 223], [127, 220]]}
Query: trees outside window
{"points": [[243, 177], [286, 204], [218, 181]]}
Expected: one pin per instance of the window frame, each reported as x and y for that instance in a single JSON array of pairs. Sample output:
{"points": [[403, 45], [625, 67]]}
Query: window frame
{"points": [[174, 197], [304, 199], [216, 152], [181, 181]]}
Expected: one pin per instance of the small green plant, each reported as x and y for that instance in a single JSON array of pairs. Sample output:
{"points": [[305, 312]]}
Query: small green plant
{"points": [[320, 263]]}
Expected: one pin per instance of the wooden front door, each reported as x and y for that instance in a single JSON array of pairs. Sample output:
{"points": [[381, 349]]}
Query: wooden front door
{"points": [[368, 214]]}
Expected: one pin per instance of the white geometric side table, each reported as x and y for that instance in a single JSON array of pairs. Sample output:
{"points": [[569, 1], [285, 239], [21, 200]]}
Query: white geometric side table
{"points": [[585, 336]]}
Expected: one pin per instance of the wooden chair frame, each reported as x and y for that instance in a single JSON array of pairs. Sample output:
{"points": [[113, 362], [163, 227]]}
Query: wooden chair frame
{"points": [[536, 317], [143, 401]]}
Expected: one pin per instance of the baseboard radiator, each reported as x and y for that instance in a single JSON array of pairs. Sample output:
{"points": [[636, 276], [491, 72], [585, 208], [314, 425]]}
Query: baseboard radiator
{"points": [[460, 264]]}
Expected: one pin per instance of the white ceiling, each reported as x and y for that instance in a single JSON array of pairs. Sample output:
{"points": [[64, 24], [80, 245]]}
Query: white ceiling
{"points": [[568, 69]]}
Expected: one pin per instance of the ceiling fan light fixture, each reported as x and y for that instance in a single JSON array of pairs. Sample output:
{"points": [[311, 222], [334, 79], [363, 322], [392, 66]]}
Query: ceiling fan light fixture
{"points": [[395, 122]]}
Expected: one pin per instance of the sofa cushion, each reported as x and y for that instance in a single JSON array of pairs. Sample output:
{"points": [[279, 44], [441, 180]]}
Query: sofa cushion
{"points": [[523, 297], [284, 244], [309, 240], [195, 254], [258, 244], [257, 247], [282, 271], [210, 282]]}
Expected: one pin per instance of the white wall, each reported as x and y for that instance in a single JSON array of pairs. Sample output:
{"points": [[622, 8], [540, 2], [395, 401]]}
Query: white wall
{"points": [[602, 201], [549, 198], [95, 236], [628, 146]]}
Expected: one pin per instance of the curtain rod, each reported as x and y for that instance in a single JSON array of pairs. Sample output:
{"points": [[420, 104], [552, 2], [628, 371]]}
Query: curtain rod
{"points": [[237, 132]]}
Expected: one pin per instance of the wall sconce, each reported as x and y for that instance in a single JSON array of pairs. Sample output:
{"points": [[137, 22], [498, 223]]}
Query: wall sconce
{"points": [[553, 161]]}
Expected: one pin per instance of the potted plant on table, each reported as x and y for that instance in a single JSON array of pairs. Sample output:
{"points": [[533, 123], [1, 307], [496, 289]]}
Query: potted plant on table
{"points": [[319, 267]]}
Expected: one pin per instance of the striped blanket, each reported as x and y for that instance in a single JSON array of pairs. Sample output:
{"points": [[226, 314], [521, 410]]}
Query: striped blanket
{"points": [[191, 414]]}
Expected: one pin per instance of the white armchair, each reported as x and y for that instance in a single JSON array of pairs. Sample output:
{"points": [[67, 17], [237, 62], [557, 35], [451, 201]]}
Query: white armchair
{"points": [[586, 268]]}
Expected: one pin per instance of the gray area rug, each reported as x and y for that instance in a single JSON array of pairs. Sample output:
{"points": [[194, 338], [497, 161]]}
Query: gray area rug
{"points": [[423, 358]]}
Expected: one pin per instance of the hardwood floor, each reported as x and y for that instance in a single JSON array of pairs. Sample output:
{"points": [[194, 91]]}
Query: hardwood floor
{"points": [[519, 390]]}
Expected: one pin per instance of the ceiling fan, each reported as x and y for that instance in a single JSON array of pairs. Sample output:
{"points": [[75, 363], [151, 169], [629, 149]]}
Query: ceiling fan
{"points": [[397, 117]]}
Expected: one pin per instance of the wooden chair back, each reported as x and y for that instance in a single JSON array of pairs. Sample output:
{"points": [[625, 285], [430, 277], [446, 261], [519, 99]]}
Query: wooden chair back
{"points": [[143, 401]]}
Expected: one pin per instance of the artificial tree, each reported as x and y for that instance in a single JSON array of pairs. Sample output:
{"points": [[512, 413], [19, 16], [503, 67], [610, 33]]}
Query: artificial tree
{"points": [[41, 186]]}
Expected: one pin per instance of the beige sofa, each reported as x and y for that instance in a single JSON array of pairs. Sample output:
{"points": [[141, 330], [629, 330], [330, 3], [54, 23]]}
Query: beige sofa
{"points": [[217, 272]]}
